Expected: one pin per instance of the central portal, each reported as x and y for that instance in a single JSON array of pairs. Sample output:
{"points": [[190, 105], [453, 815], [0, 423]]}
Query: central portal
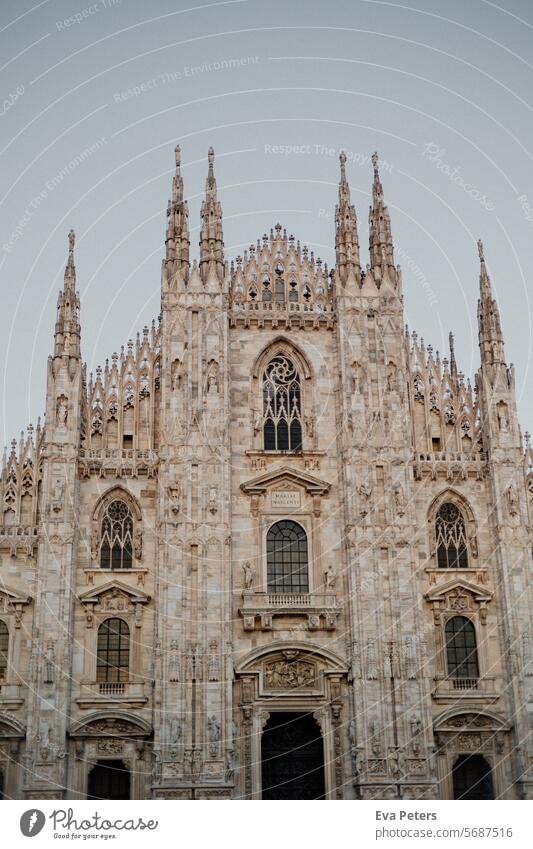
{"points": [[292, 758]]}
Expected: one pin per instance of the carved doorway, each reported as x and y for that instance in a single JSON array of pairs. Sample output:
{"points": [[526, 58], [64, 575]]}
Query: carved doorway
{"points": [[109, 780], [472, 778], [292, 757]]}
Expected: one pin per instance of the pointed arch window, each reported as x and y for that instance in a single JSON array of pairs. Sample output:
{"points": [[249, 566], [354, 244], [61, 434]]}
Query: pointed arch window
{"points": [[116, 544], [450, 530], [287, 558], [113, 651], [461, 648], [4, 650], [282, 406]]}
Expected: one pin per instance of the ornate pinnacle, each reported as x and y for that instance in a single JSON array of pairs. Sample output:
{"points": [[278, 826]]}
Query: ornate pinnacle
{"points": [[177, 153]]}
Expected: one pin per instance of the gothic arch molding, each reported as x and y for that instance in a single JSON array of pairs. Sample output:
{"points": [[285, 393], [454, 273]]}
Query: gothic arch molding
{"points": [[334, 661], [283, 346], [115, 722], [117, 492]]}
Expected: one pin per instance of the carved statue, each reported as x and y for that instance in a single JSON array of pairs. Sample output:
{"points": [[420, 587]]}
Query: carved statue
{"points": [[176, 372], [365, 494], [399, 499], [213, 729], [138, 544], [249, 575], [512, 500], [175, 730], [330, 577], [95, 543], [62, 411]]}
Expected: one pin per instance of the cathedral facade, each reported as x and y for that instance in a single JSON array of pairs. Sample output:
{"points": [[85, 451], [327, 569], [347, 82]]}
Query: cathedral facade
{"points": [[275, 548]]}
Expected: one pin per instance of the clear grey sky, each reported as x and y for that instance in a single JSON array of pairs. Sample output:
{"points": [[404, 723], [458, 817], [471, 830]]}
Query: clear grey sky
{"points": [[442, 91]]}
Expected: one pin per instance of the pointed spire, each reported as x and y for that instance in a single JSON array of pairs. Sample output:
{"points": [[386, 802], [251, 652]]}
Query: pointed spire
{"points": [[211, 238], [453, 363], [177, 235], [67, 330], [380, 236], [346, 237], [488, 314]]}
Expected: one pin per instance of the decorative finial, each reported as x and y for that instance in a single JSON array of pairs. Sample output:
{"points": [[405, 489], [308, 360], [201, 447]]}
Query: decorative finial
{"points": [[177, 153], [71, 240], [480, 250], [211, 156], [342, 158], [451, 342], [375, 160]]}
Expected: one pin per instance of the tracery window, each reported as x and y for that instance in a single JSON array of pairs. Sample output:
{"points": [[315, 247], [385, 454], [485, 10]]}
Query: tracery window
{"points": [[282, 408], [4, 649], [113, 651], [461, 648], [450, 530], [116, 544], [287, 558]]}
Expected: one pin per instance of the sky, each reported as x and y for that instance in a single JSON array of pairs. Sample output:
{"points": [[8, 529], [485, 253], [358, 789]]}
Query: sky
{"points": [[96, 95]]}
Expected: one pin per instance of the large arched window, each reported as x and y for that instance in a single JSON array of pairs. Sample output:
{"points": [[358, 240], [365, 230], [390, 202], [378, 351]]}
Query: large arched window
{"points": [[461, 648], [116, 544], [4, 649], [282, 406], [113, 651], [287, 560], [450, 530]]}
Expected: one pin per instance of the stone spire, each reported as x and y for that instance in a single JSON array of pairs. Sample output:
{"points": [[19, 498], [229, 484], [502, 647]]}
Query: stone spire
{"points": [[177, 235], [211, 238], [488, 316], [453, 362], [380, 236], [67, 330], [346, 238]]}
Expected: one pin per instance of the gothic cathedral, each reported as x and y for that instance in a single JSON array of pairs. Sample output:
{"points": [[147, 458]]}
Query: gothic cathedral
{"points": [[277, 548]]}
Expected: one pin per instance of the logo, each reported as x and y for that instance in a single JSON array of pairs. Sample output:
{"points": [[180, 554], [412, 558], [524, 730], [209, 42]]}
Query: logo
{"points": [[32, 822]]}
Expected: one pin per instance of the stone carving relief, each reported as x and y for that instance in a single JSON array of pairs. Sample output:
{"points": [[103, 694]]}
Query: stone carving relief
{"points": [[290, 673]]}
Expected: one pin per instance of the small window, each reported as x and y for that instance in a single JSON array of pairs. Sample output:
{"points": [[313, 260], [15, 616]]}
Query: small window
{"points": [[287, 558], [435, 443], [113, 651], [127, 441], [461, 648], [4, 650]]}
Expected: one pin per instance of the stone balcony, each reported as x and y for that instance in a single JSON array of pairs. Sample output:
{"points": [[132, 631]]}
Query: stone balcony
{"points": [[118, 462], [281, 314], [466, 690], [321, 610], [113, 694], [11, 695], [450, 465]]}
